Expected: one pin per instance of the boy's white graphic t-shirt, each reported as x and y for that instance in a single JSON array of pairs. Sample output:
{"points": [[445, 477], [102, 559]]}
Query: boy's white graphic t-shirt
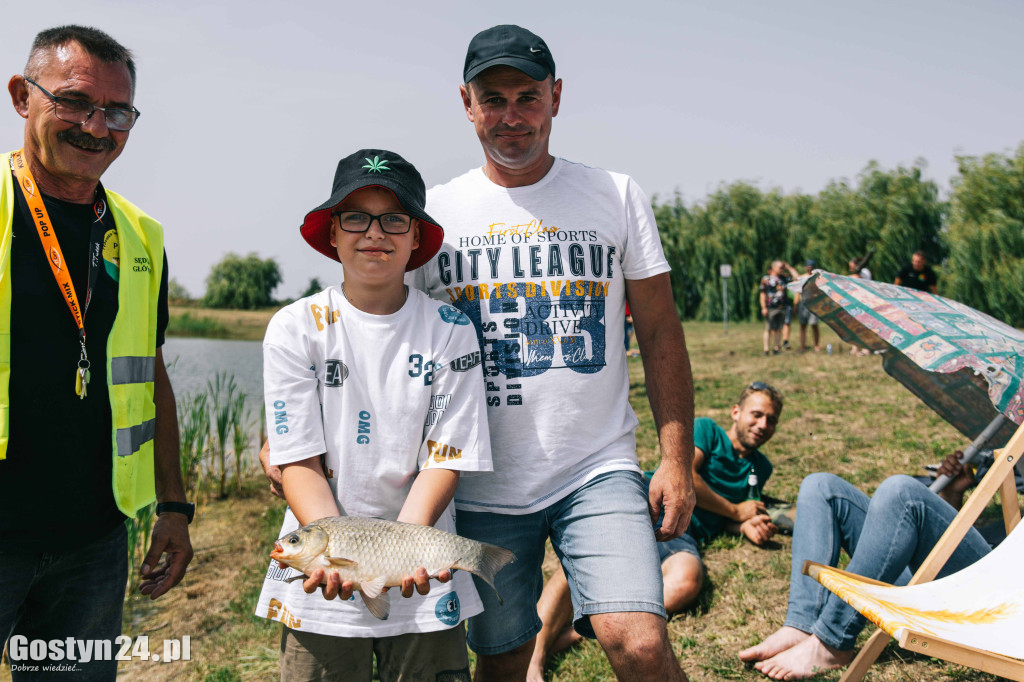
{"points": [[541, 271], [384, 396]]}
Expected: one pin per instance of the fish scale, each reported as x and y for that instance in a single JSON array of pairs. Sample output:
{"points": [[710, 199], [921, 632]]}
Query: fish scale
{"points": [[373, 554]]}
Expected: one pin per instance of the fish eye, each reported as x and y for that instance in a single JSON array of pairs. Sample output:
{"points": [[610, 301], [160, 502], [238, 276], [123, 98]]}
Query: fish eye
{"points": [[293, 538]]}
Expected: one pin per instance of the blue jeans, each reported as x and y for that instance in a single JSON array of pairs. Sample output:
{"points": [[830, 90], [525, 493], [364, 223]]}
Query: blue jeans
{"points": [[56, 595], [602, 534], [684, 543], [887, 536]]}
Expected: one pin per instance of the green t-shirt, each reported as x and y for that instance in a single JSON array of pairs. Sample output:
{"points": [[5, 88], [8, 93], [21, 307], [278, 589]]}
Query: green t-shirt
{"points": [[725, 472]]}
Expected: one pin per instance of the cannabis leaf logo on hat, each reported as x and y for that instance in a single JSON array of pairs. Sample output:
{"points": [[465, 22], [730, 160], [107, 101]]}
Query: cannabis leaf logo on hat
{"points": [[376, 165]]}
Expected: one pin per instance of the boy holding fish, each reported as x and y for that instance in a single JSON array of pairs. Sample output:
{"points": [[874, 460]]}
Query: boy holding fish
{"points": [[376, 404]]}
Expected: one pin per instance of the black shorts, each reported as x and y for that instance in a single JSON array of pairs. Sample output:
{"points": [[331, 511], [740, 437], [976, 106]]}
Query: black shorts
{"points": [[775, 318]]}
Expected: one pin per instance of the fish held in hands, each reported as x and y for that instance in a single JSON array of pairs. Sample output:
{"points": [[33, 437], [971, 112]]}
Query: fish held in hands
{"points": [[374, 554]]}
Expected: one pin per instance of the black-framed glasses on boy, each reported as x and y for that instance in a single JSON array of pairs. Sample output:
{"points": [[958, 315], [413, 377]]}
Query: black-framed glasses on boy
{"points": [[71, 110], [360, 221], [759, 386]]}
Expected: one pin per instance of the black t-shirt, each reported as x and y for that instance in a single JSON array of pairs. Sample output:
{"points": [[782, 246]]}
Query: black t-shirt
{"points": [[922, 281], [56, 488], [775, 291]]}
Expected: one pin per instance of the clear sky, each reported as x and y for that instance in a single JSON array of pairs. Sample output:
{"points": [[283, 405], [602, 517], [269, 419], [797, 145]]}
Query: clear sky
{"points": [[247, 106]]}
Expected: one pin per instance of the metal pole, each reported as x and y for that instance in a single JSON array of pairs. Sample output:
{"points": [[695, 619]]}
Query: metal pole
{"points": [[725, 305], [971, 450]]}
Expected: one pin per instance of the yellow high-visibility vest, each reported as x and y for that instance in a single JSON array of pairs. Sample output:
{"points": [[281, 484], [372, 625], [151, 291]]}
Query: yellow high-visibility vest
{"points": [[131, 346]]}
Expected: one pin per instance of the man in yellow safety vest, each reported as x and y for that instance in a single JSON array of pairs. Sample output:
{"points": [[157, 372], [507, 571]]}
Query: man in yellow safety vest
{"points": [[88, 426]]}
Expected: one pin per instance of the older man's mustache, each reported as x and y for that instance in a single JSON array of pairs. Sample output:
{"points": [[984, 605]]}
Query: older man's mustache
{"points": [[86, 141]]}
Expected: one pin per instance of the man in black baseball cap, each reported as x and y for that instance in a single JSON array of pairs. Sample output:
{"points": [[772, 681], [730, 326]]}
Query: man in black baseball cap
{"points": [[536, 255], [508, 45], [508, 64]]}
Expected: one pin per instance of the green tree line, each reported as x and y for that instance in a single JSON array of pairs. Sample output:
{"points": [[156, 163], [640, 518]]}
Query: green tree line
{"points": [[974, 239]]}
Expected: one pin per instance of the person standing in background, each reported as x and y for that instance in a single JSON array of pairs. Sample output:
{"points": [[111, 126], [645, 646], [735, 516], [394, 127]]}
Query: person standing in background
{"points": [[774, 299], [804, 314], [918, 274], [788, 274]]}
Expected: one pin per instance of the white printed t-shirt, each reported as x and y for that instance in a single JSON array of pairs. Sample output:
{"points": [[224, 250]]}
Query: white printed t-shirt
{"points": [[541, 272], [385, 396]]}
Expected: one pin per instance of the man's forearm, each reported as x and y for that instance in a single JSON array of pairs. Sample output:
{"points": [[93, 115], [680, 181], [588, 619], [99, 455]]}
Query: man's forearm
{"points": [[711, 501], [670, 392], [669, 383], [166, 451]]}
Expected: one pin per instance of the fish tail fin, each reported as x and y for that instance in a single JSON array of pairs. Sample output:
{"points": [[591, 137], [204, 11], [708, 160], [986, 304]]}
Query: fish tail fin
{"points": [[493, 560], [379, 606]]}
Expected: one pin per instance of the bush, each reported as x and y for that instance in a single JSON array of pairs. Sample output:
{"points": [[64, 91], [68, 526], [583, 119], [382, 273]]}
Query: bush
{"points": [[187, 325]]}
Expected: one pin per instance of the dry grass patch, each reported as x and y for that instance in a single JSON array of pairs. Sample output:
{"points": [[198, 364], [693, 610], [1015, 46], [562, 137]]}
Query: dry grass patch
{"points": [[215, 601]]}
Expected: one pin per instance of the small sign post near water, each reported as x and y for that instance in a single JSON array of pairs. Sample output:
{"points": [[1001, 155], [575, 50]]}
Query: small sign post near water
{"points": [[726, 272]]}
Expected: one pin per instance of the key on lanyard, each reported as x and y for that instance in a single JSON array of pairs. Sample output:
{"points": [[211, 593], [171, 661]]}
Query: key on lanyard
{"points": [[82, 374]]}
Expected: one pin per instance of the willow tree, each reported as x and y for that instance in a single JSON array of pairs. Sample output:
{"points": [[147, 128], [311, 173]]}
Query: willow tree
{"points": [[891, 213], [985, 268], [242, 282]]}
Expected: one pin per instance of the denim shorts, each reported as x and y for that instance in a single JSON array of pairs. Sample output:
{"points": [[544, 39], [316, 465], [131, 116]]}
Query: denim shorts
{"points": [[684, 543], [603, 536]]}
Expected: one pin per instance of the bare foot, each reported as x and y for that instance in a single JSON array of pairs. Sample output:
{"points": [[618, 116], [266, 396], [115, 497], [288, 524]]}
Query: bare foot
{"points": [[784, 638], [535, 673], [807, 659], [566, 639]]}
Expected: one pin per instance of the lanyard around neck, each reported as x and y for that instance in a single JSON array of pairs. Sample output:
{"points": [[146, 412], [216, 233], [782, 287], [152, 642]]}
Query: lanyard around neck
{"points": [[55, 257]]}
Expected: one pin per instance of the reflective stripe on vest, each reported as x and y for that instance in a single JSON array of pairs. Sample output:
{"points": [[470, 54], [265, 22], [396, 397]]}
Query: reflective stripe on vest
{"points": [[131, 346], [132, 370], [131, 439]]}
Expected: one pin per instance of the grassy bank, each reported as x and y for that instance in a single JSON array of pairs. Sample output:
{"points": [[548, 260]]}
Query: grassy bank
{"points": [[243, 325], [843, 414]]}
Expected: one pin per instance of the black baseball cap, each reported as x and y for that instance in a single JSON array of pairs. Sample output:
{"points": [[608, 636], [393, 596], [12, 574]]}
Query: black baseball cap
{"points": [[508, 45], [375, 168]]}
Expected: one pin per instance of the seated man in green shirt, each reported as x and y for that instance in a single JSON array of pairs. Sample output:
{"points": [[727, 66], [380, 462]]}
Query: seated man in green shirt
{"points": [[722, 465], [723, 462]]}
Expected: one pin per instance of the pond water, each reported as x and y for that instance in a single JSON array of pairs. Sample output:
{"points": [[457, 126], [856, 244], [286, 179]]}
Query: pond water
{"points": [[193, 362]]}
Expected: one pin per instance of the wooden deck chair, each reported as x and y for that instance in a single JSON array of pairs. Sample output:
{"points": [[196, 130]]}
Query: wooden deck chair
{"points": [[974, 617]]}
